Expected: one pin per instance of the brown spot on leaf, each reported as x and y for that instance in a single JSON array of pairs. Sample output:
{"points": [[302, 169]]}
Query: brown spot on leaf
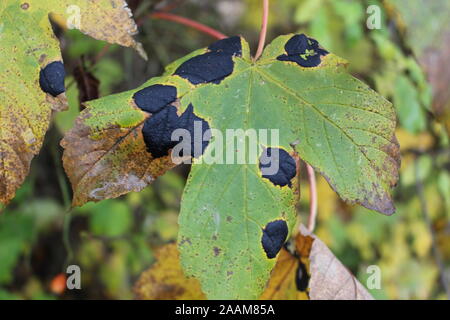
{"points": [[25, 5], [42, 58], [113, 163], [216, 251]]}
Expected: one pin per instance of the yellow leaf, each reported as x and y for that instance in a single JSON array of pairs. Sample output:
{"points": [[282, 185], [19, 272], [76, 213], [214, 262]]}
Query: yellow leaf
{"points": [[166, 281]]}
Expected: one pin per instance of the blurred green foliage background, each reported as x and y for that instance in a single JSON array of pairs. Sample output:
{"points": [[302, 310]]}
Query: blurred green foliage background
{"points": [[113, 241]]}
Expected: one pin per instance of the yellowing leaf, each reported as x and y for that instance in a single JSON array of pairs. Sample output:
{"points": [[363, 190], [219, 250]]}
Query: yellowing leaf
{"points": [[31, 63], [311, 271], [330, 279], [165, 279]]}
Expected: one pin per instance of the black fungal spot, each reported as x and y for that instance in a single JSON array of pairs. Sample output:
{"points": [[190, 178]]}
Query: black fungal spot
{"points": [[187, 121], [277, 166], [303, 50], [231, 46], [51, 78], [214, 65], [157, 130], [209, 67], [153, 98], [274, 235], [301, 277]]}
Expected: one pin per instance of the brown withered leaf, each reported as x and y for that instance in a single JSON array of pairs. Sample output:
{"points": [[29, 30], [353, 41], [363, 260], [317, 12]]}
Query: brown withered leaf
{"points": [[324, 277], [165, 280], [281, 285], [329, 278]]}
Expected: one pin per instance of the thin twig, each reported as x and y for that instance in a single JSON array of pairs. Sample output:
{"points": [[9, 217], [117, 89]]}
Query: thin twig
{"points": [[263, 33], [312, 198], [170, 6], [102, 52], [436, 252], [187, 22]]}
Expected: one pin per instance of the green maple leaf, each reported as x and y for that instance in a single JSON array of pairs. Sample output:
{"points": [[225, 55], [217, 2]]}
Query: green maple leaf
{"points": [[323, 115], [28, 94]]}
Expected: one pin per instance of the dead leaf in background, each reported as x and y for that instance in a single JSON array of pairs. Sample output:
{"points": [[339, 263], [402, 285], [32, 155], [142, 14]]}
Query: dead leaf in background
{"points": [[166, 281], [282, 284], [324, 275], [330, 279]]}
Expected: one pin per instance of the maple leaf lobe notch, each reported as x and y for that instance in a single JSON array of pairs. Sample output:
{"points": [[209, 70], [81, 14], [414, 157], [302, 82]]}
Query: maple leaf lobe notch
{"points": [[303, 50], [214, 65], [287, 168], [274, 236], [154, 98], [51, 78]]}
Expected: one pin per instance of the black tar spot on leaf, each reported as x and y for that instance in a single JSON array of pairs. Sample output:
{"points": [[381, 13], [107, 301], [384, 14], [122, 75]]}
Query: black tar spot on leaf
{"points": [[153, 98], [214, 65], [231, 46], [51, 78], [158, 129], [277, 166], [301, 277], [303, 50], [187, 121], [274, 236]]}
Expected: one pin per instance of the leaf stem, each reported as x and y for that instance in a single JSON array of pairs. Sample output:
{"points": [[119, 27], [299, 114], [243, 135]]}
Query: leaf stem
{"points": [[312, 198], [263, 33], [188, 22]]}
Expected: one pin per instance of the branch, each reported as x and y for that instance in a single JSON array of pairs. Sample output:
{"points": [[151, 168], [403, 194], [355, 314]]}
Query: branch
{"points": [[188, 22], [312, 198], [262, 34]]}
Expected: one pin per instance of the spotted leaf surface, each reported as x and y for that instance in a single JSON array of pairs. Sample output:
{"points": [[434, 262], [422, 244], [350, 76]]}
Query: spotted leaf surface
{"points": [[106, 152], [32, 71], [236, 213]]}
